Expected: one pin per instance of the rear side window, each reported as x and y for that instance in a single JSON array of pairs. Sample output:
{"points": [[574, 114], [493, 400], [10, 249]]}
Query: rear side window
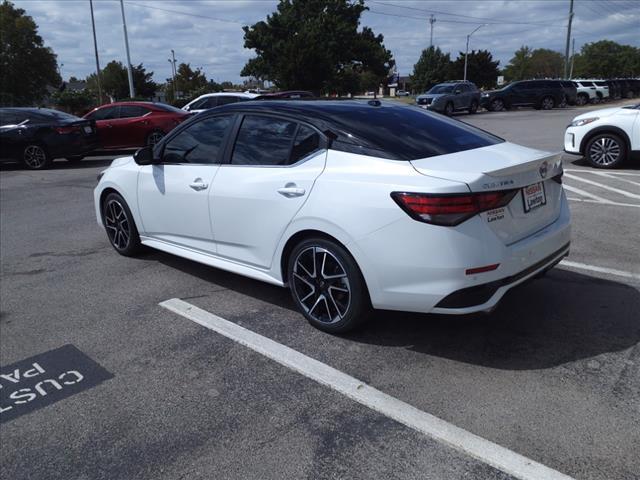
{"points": [[130, 111], [407, 133], [307, 141], [263, 141], [210, 102], [9, 118], [200, 142]]}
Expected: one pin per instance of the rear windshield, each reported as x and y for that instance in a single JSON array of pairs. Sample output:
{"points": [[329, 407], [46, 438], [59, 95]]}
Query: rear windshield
{"points": [[441, 89], [407, 133]]}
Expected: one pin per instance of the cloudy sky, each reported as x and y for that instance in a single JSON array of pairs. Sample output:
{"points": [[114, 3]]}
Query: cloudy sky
{"points": [[208, 34]]}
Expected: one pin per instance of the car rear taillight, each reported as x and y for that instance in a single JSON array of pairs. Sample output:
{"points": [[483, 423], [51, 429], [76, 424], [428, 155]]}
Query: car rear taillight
{"points": [[64, 130], [450, 209]]}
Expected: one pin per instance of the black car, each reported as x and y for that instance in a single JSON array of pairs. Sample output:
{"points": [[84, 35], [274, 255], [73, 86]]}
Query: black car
{"points": [[35, 136], [540, 94]]}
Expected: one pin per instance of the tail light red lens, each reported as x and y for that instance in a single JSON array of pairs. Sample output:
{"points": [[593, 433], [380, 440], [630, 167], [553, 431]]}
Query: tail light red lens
{"points": [[450, 209], [65, 130]]}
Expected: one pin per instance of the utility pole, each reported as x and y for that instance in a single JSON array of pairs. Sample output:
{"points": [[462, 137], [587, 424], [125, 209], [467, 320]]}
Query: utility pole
{"points": [[466, 52], [132, 92], [573, 55], [566, 50], [432, 20], [173, 72], [95, 47]]}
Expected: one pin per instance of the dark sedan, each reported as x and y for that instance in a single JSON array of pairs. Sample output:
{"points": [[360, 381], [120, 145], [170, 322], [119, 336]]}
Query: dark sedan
{"points": [[35, 136]]}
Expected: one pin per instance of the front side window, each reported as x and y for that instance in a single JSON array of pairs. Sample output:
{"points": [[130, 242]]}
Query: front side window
{"points": [[264, 141], [200, 142], [107, 113], [227, 99]]}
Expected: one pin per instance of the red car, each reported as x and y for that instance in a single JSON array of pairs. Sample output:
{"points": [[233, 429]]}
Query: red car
{"points": [[134, 124]]}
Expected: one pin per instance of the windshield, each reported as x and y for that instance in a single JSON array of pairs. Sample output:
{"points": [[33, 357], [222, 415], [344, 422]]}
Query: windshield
{"points": [[441, 89]]}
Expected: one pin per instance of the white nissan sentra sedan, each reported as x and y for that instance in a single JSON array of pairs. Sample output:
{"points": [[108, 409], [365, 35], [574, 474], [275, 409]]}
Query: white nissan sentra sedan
{"points": [[352, 205]]}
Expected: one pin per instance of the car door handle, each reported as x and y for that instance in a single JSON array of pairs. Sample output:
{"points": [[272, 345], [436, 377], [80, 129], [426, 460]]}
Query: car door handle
{"points": [[291, 191], [198, 185]]}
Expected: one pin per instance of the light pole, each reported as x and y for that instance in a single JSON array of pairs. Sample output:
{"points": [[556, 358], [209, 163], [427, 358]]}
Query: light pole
{"points": [[132, 92], [466, 52], [95, 47]]}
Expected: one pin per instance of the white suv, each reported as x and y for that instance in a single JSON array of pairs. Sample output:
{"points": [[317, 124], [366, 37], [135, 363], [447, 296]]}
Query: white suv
{"points": [[605, 137], [212, 100], [586, 92]]}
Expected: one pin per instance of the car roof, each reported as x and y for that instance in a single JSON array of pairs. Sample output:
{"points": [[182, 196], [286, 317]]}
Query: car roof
{"points": [[229, 94], [360, 123], [130, 103]]}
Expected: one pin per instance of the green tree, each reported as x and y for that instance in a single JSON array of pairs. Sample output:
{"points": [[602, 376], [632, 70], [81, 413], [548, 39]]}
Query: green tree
{"points": [[77, 103], [187, 81], [315, 45], [115, 81], [481, 68], [519, 66], [607, 59], [432, 67], [545, 63], [27, 67]]}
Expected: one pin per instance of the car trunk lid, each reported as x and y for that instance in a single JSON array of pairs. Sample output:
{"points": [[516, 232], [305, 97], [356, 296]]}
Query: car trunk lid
{"points": [[535, 175]]}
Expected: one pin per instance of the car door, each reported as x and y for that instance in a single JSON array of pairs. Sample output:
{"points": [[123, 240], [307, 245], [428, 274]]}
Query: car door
{"points": [[173, 197], [458, 96], [517, 93], [269, 175], [131, 127], [103, 118]]}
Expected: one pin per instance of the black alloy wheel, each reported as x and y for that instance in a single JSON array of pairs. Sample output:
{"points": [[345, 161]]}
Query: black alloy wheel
{"points": [[474, 107], [120, 227], [35, 157], [327, 286], [448, 109], [497, 105], [547, 103]]}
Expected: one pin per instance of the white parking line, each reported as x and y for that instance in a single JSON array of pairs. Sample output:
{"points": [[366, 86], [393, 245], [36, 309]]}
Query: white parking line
{"points": [[600, 202], [585, 170], [483, 450], [585, 194], [618, 178], [603, 186], [595, 268]]}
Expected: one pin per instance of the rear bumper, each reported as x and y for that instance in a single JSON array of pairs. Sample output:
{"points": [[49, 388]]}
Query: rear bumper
{"points": [[409, 266], [479, 297]]}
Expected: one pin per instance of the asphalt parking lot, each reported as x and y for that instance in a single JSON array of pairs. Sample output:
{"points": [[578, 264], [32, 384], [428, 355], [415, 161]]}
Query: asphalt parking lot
{"points": [[553, 374]]}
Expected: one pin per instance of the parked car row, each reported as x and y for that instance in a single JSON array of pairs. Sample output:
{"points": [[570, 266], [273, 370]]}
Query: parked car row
{"points": [[458, 95]]}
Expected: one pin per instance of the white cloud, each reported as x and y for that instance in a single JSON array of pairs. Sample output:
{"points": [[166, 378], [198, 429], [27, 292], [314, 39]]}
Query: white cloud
{"points": [[217, 46]]}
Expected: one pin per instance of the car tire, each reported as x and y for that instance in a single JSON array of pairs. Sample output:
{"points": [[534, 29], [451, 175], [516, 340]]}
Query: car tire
{"points": [[448, 109], [120, 226], [606, 150], [327, 286], [547, 103], [564, 103], [473, 108], [582, 99], [36, 157], [154, 137], [74, 158], [497, 105]]}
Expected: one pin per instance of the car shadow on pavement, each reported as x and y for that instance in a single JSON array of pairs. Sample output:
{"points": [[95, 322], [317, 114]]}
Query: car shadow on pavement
{"points": [[629, 164], [562, 317], [57, 165]]}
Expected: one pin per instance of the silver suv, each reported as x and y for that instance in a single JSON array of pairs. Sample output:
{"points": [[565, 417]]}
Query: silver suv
{"points": [[450, 97]]}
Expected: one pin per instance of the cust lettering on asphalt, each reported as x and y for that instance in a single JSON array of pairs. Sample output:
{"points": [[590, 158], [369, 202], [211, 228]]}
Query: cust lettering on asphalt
{"points": [[49, 377]]}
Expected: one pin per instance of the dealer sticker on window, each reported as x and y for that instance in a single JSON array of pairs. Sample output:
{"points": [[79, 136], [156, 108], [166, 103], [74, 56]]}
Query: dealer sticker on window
{"points": [[534, 196]]}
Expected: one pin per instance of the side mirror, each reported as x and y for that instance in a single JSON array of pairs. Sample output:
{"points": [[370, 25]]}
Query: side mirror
{"points": [[144, 156]]}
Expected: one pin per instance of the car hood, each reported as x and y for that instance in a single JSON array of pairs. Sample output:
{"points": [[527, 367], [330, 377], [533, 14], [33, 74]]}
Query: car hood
{"points": [[433, 96], [118, 162], [603, 112]]}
